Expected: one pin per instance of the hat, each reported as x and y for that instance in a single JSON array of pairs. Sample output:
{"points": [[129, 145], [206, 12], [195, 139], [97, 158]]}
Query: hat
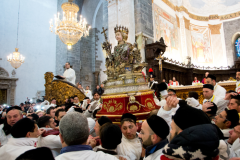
{"points": [[130, 116], [151, 73], [110, 135], [22, 127], [159, 126], [172, 90], [102, 120], [213, 109], [212, 77], [232, 115], [12, 108], [37, 154], [187, 116], [162, 88], [209, 86]]}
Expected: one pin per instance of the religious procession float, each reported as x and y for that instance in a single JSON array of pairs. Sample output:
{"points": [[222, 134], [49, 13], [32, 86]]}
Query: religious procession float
{"points": [[126, 88]]}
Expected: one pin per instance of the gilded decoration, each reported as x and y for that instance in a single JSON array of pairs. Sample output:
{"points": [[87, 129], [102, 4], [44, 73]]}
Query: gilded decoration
{"points": [[60, 90], [133, 107], [112, 106], [125, 59], [149, 104], [187, 23], [215, 29], [201, 18]]}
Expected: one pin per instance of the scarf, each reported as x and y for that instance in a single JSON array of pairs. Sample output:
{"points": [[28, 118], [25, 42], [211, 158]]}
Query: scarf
{"points": [[75, 148]]}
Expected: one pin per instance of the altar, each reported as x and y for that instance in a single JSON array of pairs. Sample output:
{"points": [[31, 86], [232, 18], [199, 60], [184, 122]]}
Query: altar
{"points": [[182, 91]]}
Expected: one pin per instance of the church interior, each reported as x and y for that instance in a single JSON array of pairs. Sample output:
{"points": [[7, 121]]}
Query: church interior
{"points": [[200, 36], [120, 79]]}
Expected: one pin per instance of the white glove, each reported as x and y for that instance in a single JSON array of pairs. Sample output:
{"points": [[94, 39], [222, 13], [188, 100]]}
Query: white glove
{"points": [[192, 102], [84, 105], [93, 106]]}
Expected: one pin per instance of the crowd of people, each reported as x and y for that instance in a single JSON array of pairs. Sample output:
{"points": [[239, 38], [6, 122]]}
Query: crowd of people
{"points": [[180, 129]]}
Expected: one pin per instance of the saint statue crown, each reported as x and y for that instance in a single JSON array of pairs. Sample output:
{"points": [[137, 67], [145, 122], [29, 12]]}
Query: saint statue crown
{"points": [[121, 29]]}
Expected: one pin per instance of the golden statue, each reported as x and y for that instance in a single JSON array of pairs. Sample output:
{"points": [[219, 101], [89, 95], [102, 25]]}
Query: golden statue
{"points": [[126, 56]]}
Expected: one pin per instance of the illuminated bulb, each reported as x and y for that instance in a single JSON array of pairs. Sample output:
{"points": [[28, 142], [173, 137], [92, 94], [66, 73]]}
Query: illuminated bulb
{"points": [[69, 46]]}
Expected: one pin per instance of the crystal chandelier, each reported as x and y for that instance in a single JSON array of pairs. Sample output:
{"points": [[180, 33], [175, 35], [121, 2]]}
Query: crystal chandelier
{"points": [[69, 29], [16, 59]]}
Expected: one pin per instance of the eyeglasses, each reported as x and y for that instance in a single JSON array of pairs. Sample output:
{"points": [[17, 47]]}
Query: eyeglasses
{"points": [[222, 117]]}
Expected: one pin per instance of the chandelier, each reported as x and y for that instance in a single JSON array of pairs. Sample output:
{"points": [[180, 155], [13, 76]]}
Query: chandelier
{"points": [[15, 59], [69, 29]]}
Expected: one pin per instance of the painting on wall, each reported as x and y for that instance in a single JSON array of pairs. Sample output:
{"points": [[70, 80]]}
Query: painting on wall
{"points": [[237, 44], [201, 44], [166, 27]]}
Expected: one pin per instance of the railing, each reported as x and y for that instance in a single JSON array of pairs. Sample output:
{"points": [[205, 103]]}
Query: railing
{"points": [[195, 66]]}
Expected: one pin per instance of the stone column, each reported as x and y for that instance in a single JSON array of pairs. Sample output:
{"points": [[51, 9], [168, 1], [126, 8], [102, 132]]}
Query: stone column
{"points": [[96, 77]]}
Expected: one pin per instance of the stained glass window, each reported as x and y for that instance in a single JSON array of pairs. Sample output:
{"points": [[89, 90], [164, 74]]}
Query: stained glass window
{"points": [[237, 44]]}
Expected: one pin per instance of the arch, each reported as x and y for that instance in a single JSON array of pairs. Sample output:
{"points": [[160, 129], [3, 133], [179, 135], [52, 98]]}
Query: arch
{"points": [[3, 72], [95, 13], [234, 37]]}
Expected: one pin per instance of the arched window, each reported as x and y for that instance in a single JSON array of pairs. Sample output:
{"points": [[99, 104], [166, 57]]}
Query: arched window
{"points": [[237, 45]]}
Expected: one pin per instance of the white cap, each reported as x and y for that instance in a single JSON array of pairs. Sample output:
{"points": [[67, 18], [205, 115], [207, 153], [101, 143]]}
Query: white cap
{"points": [[164, 93]]}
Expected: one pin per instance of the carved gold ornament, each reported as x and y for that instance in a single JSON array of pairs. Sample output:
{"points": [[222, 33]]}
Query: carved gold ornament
{"points": [[149, 103], [112, 106]]}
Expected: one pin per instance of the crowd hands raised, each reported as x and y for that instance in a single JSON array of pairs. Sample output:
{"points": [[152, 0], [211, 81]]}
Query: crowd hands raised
{"points": [[180, 129]]}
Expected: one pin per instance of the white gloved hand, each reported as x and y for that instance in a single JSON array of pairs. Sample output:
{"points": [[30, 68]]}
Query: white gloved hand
{"points": [[93, 106], [192, 102], [84, 105]]}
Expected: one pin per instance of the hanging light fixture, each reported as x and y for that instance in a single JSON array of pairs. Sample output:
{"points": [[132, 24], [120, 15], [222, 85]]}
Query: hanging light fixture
{"points": [[69, 29], [16, 59]]}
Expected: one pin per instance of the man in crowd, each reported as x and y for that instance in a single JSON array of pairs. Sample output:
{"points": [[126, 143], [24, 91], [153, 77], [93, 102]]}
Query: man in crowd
{"points": [[234, 102], [131, 145], [195, 81], [204, 81], [208, 91], [219, 91], [111, 136], [101, 121], [25, 133], [53, 102], [238, 82], [152, 84], [170, 83], [76, 101], [99, 90], [175, 82], [154, 137], [81, 88], [88, 92], [162, 88], [94, 106], [14, 114], [233, 142], [59, 115], [74, 139], [50, 112], [227, 120], [46, 123], [102, 89], [51, 141], [69, 74]]}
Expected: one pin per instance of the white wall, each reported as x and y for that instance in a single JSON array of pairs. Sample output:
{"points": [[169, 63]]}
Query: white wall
{"points": [[35, 42]]}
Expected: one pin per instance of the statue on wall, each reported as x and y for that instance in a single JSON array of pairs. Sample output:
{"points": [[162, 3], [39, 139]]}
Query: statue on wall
{"points": [[124, 56]]}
